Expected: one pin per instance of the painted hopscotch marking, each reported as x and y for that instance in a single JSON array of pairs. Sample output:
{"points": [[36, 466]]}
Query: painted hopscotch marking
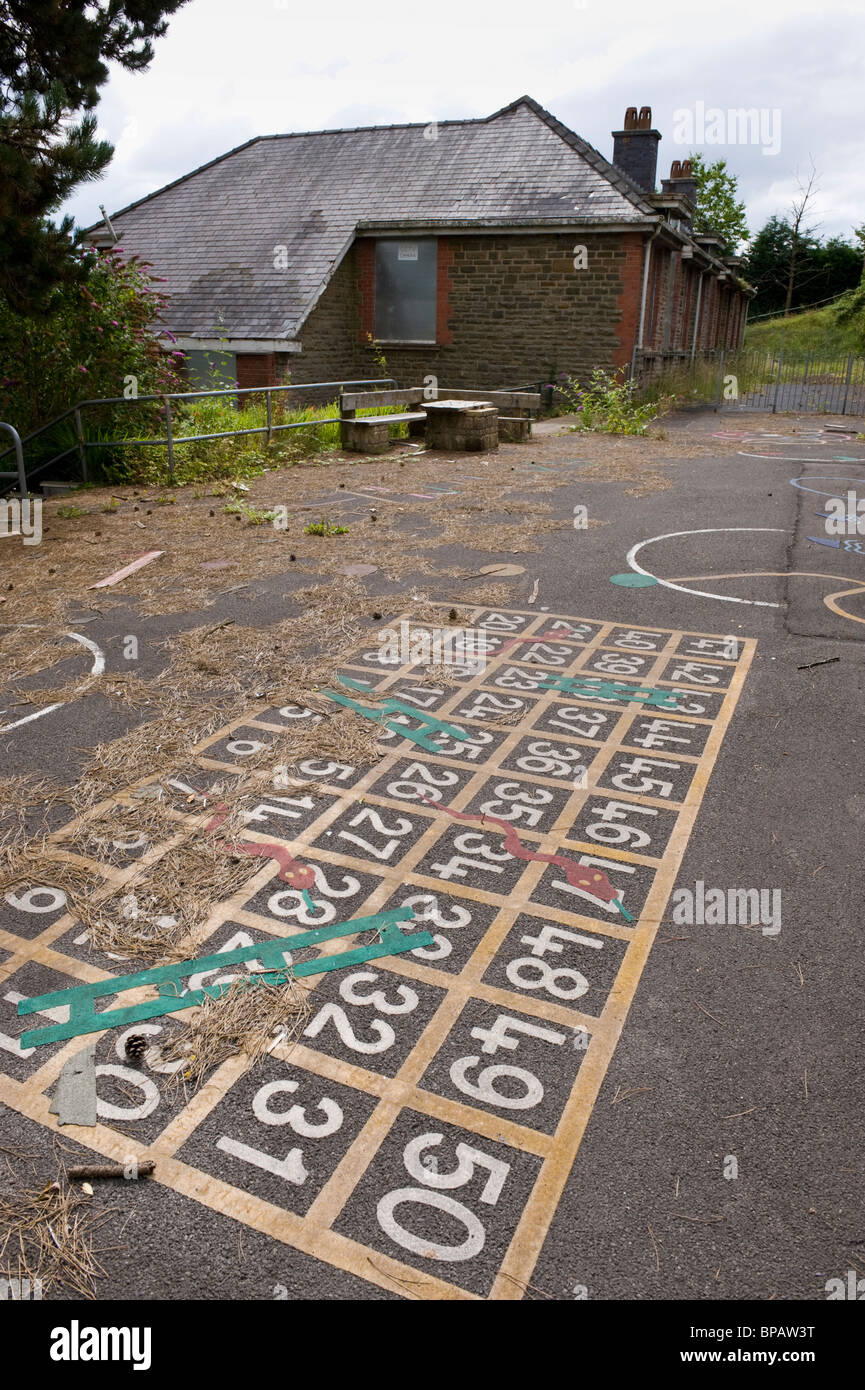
{"points": [[421, 1130]]}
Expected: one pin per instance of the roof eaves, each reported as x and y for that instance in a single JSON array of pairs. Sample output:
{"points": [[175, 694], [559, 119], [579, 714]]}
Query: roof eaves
{"points": [[502, 223]]}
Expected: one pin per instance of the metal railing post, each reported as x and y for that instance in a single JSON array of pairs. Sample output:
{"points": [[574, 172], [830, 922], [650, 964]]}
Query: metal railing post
{"points": [[82, 447], [268, 398], [19, 457], [777, 381], [847, 384], [720, 380], [802, 396], [169, 439]]}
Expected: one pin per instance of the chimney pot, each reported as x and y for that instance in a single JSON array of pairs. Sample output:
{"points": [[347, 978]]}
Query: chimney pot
{"points": [[635, 148]]}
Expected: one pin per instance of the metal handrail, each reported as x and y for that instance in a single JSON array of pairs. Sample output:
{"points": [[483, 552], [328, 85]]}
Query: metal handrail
{"points": [[170, 439], [19, 457]]}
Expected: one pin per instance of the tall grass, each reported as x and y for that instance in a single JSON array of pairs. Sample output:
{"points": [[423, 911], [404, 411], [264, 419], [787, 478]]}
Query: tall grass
{"points": [[702, 381], [239, 456]]}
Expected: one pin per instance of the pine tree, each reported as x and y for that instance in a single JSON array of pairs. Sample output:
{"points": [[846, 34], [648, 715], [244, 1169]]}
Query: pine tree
{"points": [[54, 57]]}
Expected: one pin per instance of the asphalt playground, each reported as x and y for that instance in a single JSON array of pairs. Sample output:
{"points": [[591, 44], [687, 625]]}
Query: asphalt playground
{"points": [[634, 1107]]}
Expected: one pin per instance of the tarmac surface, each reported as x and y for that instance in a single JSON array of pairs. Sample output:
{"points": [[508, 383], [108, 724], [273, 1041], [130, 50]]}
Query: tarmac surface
{"points": [[706, 1142]]}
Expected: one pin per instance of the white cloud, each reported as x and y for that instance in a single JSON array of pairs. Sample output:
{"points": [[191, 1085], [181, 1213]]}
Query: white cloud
{"points": [[226, 72]]}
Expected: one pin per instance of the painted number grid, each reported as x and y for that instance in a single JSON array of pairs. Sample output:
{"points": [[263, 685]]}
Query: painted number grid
{"points": [[420, 1131]]}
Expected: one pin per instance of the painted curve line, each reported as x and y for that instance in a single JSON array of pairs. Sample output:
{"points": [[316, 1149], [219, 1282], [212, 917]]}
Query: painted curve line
{"points": [[824, 477], [631, 561], [97, 669], [594, 882]]}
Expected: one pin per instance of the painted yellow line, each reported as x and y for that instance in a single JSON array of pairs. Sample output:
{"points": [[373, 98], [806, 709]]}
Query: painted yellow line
{"points": [[313, 1233]]}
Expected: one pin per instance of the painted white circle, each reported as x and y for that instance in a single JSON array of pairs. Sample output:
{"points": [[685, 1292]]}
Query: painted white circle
{"points": [[824, 477], [797, 458], [700, 593]]}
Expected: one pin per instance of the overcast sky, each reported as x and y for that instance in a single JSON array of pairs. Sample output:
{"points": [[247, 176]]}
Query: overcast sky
{"points": [[227, 71]]}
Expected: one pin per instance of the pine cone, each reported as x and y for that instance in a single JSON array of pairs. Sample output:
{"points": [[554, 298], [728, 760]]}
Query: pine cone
{"points": [[136, 1046]]}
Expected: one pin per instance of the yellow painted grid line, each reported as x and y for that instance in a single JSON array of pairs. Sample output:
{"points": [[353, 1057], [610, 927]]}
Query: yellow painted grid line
{"points": [[332, 1196]]}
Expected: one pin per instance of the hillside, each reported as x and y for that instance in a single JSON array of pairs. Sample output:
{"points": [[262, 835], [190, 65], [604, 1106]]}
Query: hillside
{"points": [[808, 331]]}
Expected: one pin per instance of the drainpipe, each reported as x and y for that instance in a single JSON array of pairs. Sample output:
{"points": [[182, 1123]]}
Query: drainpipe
{"points": [[697, 313], [647, 260]]}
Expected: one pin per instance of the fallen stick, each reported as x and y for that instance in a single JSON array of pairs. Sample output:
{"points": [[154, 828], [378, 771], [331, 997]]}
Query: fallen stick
{"points": [[827, 662], [84, 1171], [134, 565], [226, 623]]}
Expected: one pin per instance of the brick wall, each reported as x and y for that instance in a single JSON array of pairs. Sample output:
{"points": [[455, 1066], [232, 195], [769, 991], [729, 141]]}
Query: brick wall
{"points": [[630, 290], [256, 369], [511, 310], [364, 260], [334, 331], [444, 288]]}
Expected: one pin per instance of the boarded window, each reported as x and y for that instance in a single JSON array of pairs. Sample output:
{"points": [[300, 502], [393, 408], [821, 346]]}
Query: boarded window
{"points": [[405, 291]]}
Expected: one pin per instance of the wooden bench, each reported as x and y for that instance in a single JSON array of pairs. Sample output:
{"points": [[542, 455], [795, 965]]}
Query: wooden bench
{"points": [[370, 434]]}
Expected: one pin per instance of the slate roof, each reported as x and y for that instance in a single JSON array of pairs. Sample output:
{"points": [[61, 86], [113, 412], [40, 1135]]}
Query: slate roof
{"points": [[213, 234]]}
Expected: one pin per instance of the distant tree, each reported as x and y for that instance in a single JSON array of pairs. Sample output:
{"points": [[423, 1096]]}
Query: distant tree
{"points": [[767, 265], [838, 268], [717, 207], [54, 57], [821, 271], [799, 231]]}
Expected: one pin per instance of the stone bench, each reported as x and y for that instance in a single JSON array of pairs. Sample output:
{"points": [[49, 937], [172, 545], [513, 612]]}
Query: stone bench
{"points": [[458, 420], [370, 434]]}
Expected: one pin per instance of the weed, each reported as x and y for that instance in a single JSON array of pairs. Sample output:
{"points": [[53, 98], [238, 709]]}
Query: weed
{"points": [[608, 405], [254, 515], [324, 528], [69, 512]]}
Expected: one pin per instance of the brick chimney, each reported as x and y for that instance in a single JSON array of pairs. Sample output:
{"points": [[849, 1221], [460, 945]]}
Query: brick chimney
{"points": [[681, 182], [635, 149]]}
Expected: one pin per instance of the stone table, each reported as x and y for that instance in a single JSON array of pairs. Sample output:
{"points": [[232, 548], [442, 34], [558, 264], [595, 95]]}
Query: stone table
{"points": [[458, 425]]}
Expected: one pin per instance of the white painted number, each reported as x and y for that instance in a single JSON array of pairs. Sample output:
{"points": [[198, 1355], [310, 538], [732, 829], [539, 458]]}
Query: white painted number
{"points": [[469, 1159]]}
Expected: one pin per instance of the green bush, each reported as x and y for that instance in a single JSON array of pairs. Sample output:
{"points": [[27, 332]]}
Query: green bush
{"points": [[97, 339], [609, 405]]}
